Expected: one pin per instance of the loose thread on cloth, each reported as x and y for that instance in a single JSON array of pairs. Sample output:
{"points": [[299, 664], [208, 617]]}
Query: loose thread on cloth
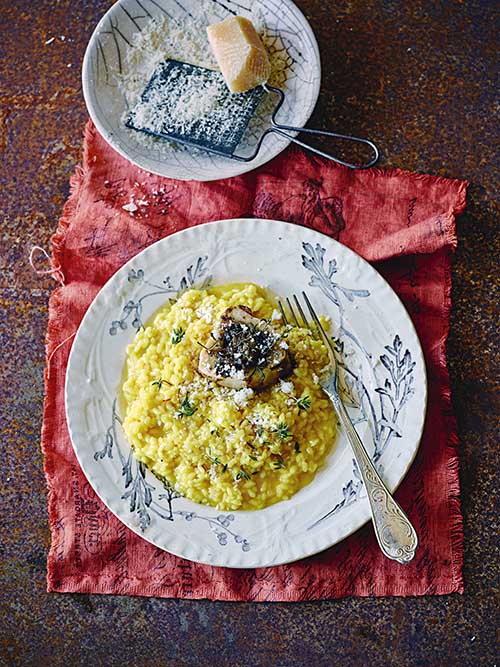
{"points": [[57, 347], [55, 271]]}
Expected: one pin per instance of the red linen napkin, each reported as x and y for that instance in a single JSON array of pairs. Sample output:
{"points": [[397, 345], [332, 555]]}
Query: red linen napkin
{"points": [[403, 222]]}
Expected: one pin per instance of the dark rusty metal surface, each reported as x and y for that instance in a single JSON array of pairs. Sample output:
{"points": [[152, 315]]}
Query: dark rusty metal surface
{"points": [[421, 79]]}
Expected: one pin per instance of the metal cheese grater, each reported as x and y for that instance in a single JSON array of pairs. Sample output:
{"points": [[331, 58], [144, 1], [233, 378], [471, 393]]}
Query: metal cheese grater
{"points": [[172, 107]]}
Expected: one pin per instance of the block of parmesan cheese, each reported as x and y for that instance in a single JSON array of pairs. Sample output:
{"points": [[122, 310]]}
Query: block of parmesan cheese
{"points": [[240, 53]]}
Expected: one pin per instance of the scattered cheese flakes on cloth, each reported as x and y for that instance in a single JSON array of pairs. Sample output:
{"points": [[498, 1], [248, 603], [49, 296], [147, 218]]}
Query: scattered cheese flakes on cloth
{"points": [[403, 222]]}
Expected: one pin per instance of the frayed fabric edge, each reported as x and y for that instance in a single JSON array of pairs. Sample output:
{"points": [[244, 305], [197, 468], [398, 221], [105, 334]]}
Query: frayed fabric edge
{"points": [[58, 241], [456, 525], [387, 172], [102, 585], [452, 473]]}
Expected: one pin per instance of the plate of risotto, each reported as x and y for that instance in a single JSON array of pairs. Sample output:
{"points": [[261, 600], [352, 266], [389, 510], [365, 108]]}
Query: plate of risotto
{"points": [[195, 407]]}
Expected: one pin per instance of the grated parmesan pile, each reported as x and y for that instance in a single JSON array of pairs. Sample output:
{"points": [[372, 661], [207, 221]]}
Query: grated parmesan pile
{"points": [[197, 99], [162, 39]]}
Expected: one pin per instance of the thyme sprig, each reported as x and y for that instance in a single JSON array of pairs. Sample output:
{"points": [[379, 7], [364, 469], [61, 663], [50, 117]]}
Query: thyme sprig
{"points": [[282, 431], [242, 474], [279, 463], [303, 403], [160, 382], [187, 408], [216, 461], [177, 336]]}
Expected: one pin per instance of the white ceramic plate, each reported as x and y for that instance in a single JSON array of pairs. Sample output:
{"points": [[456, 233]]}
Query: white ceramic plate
{"points": [[289, 34], [384, 379]]}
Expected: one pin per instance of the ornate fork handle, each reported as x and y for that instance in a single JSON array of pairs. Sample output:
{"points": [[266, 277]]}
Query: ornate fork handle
{"points": [[395, 534]]}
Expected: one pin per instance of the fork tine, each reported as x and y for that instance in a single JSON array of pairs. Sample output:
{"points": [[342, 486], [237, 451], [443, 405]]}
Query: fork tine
{"points": [[315, 318], [283, 315], [301, 312], [292, 312], [318, 324]]}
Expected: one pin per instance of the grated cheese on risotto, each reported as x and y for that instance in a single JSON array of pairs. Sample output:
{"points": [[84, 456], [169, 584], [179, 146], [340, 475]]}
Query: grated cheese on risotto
{"points": [[286, 387], [241, 396]]}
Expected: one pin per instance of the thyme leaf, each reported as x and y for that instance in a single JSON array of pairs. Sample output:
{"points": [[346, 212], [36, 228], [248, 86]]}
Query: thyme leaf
{"points": [[282, 430], [304, 403], [187, 409], [177, 336], [157, 383], [279, 463]]}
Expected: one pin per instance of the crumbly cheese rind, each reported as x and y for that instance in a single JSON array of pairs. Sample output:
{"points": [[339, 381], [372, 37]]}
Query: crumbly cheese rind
{"points": [[237, 449]]}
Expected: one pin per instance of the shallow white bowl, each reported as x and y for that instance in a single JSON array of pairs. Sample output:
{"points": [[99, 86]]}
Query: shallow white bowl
{"points": [[105, 59]]}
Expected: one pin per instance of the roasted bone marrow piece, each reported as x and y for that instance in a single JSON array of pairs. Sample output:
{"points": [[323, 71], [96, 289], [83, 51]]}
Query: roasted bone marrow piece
{"points": [[244, 351]]}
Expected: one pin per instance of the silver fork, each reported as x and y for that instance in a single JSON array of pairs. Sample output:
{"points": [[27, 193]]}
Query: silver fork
{"points": [[395, 534]]}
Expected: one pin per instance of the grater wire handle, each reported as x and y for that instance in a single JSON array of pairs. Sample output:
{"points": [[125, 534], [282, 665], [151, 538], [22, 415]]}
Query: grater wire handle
{"points": [[282, 130]]}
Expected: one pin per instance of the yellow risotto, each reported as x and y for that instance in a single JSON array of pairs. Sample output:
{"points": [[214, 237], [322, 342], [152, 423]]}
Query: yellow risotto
{"points": [[228, 448]]}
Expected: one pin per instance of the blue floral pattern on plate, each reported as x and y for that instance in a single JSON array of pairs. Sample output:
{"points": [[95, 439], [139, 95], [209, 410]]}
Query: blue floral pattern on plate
{"points": [[396, 391]]}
